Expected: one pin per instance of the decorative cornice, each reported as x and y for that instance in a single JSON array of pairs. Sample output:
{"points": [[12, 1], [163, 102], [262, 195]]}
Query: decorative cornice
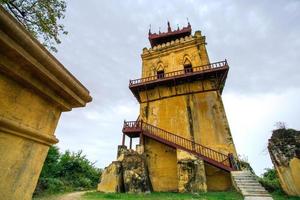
{"points": [[35, 64], [14, 128], [176, 45]]}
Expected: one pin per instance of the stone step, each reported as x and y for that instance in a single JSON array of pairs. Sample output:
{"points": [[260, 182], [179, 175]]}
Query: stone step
{"points": [[244, 182], [255, 191], [256, 195], [237, 173], [244, 177], [258, 198], [251, 187], [248, 184]]}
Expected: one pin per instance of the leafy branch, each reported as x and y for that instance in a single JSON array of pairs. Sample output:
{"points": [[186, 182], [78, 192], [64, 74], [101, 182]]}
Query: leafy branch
{"points": [[40, 17]]}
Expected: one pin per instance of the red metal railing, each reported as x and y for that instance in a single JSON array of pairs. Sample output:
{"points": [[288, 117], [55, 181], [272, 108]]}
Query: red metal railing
{"points": [[181, 73], [211, 156]]}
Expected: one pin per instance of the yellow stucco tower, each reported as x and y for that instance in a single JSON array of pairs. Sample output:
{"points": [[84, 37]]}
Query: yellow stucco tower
{"points": [[182, 125]]}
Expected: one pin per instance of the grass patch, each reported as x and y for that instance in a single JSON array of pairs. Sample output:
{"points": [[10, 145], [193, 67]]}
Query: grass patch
{"points": [[47, 196], [164, 196], [282, 196]]}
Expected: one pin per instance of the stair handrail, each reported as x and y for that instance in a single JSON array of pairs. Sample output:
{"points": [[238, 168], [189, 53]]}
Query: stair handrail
{"points": [[181, 141], [190, 145]]}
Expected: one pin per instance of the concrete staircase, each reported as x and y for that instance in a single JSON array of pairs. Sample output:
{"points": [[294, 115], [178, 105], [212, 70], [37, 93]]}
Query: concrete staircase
{"points": [[247, 184]]}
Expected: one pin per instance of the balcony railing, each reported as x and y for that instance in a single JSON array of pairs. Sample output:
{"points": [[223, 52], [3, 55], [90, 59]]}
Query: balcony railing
{"points": [[181, 73]]}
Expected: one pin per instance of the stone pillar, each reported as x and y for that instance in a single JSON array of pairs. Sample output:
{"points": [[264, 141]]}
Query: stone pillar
{"points": [[34, 89], [191, 173]]}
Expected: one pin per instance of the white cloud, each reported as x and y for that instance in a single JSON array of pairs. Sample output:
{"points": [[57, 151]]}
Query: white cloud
{"points": [[103, 47], [252, 119]]}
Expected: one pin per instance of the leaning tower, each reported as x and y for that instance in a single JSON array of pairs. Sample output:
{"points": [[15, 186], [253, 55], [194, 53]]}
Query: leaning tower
{"points": [[182, 119]]}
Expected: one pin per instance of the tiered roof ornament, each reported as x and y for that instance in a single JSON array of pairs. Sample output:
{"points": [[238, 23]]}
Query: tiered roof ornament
{"points": [[164, 37]]}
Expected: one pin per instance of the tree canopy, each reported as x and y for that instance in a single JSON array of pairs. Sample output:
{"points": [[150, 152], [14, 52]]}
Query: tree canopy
{"points": [[66, 172], [40, 17]]}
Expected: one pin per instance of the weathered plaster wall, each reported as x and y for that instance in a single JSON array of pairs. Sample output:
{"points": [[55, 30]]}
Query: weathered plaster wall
{"points": [[24, 106], [112, 178], [217, 179], [199, 117], [162, 166]]}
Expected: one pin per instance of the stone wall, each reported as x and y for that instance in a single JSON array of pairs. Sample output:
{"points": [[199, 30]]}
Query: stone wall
{"points": [[136, 172], [284, 149]]}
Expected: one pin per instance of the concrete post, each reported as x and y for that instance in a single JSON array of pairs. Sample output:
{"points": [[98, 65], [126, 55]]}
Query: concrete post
{"points": [[34, 89]]}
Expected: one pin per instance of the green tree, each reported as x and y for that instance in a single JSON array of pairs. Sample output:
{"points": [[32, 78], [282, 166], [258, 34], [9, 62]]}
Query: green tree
{"points": [[40, 17], [66, 172], [78, 170], [51, 163]]}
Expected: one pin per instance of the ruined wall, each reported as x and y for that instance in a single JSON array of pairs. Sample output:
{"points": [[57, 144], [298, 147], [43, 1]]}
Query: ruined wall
{"points": [[128, 174], [112, 178], [191, 173], [284, 149]]}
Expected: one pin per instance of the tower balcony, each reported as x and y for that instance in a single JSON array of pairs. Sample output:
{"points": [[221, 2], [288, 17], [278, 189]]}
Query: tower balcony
{"points": [[214, 71]]}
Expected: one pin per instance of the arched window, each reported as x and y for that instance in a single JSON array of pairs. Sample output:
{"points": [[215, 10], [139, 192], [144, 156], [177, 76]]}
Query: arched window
{"points": [[160, 73], [187, 65]]}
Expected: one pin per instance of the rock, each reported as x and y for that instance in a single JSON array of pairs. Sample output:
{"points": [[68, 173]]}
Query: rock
{"points": [[135, 174], [284, 149], [112, 178]]}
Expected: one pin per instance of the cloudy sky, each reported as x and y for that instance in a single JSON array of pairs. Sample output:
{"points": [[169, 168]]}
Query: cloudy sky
{"points": [[260, 39]]}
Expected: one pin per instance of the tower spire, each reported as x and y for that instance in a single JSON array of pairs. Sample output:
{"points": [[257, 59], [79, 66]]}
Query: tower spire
{"points": [[189, 25], [149, 30], [169, 27]]}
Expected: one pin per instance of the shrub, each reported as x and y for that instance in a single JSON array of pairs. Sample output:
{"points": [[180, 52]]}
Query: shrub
{"points": [[270, 181], [66, 172]]}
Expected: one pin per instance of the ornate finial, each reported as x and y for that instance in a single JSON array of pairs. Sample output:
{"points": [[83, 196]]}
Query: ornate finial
{"points": [[149, 30], [177, 27], [159, 30], [189, 25], [169, 27]]}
